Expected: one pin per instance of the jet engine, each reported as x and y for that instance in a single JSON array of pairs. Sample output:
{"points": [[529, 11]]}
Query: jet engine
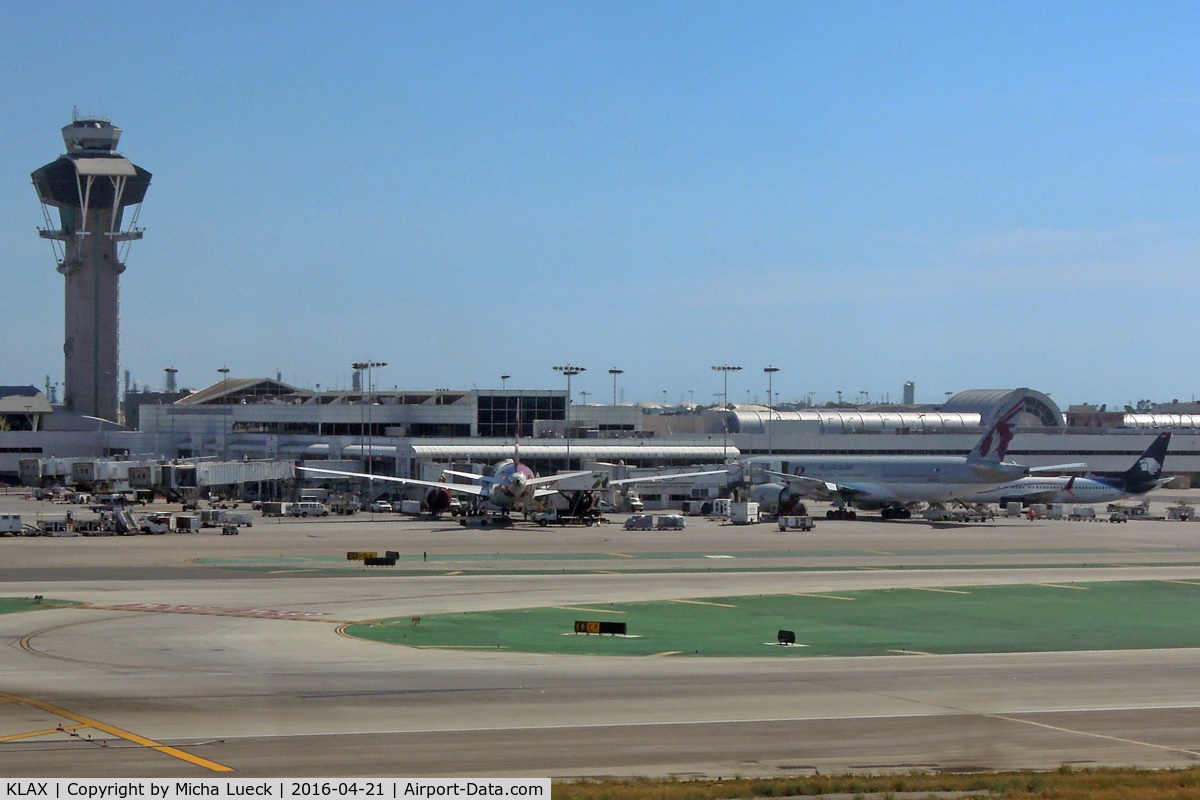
{"points": [[437, 500]]}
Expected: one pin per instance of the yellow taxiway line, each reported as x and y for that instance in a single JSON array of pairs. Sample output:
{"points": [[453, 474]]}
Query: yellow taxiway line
{"points": [[593, 610], [119, 733], [704, 603]]}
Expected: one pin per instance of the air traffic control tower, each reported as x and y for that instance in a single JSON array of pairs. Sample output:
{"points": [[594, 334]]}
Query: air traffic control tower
{"points": [[91, 186]]}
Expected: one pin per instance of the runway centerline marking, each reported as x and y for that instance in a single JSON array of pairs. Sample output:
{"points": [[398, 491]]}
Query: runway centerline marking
{"points": [[1047, 726], [87, 722]]}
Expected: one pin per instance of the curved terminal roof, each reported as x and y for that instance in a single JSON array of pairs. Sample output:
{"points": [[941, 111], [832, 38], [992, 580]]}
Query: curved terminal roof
{"points": [[580, 450], [1162, 421], [984, 401], [963, 412], [23, 400], [852, 421]]}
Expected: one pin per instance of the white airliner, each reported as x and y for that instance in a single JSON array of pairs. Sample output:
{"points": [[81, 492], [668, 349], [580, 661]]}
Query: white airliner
{"points": [[512, 486], [1140, 478], [894, 483]]}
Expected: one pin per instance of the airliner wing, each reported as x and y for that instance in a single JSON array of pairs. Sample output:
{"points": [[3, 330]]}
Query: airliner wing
{"points": [[471, 476], [668, 477], [488, 479], [562, 476], [463, 488], [1077, 467], [818, 488]]}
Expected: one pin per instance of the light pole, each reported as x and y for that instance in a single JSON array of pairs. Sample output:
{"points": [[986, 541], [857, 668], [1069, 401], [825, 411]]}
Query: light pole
{"points": [[615, 372], [725, 369], [770, 370], [171, 372], [504, 376], [570, 370], [224, 387], [368, 366]]}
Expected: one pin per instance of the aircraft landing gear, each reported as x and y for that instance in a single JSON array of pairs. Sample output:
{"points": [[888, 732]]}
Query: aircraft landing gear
{"points": [[841, 513], [895, 512]]}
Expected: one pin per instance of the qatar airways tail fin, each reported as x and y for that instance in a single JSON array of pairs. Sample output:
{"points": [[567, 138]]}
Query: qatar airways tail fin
{"points": [[993, 446]]}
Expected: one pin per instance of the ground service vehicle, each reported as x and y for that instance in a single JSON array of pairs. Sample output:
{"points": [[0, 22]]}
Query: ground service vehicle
{"points": [[308, 508], [791, 523]]}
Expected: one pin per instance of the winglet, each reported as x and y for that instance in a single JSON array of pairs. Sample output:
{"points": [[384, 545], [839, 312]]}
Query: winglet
{"points": [[993, 446]]}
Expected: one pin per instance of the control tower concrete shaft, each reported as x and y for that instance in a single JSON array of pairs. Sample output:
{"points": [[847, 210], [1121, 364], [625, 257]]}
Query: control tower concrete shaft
{"points": [[91, 186]]}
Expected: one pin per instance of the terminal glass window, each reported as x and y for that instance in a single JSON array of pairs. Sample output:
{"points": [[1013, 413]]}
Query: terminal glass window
{"points": [[498, 414]]}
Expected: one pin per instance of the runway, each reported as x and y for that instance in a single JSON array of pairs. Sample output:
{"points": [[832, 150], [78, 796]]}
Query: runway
{"points": [[245, 670]]}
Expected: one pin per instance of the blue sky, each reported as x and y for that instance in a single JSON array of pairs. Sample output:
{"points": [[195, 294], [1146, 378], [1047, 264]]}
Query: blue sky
{"points": [[965, 195]]}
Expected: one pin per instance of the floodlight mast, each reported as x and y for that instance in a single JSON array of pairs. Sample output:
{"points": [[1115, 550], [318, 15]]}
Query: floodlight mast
{"points": [[367, 400], [570, 370], [615, 372], [770, 370], [725, 369]]}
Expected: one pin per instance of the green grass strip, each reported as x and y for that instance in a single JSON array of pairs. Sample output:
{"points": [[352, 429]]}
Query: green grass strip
{"points": [[967, 619], [14, 605]]}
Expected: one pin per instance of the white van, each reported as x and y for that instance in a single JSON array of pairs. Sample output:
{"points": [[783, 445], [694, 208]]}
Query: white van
{"points": [[308, 508]]}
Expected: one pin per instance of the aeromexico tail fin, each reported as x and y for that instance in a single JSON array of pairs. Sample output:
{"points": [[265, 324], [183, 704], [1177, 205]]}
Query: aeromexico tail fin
{"points": [[993, 446], [1148, 467]]}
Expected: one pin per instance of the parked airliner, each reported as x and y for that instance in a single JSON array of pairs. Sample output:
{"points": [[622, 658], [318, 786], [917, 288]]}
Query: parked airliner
{"points": [[894, 483], [1140, 478], [512, 486]]}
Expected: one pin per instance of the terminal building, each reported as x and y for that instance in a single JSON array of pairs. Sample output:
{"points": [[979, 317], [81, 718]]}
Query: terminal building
{"points": [[417, 434], [90, 198]]}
